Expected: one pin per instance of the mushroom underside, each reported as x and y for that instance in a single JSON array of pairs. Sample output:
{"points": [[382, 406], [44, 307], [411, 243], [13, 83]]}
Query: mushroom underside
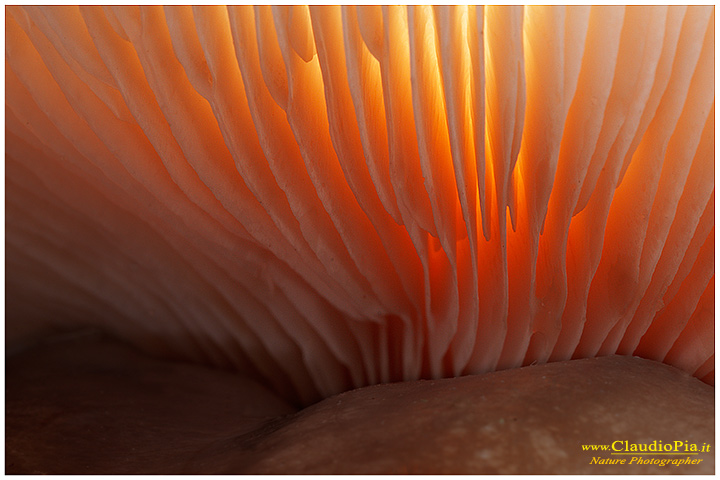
{"points": [[320, 199]]}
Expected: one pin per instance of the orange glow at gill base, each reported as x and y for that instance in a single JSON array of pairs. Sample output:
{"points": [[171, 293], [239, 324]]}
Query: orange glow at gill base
{"points": [[335, 196]]}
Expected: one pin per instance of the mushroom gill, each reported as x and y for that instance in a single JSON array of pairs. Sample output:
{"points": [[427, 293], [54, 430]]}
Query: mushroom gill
{"points": [[331, 197]]}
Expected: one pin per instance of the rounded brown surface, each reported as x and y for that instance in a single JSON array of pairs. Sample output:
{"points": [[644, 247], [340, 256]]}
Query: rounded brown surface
{"points": [[91, 405], [530, 420]]}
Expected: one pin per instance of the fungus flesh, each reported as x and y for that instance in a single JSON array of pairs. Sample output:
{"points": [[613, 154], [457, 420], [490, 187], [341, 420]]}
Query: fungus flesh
{"points": [[325, 197]]}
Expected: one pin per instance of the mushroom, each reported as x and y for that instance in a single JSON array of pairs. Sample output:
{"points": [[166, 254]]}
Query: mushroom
{"points": [[325, 198]]}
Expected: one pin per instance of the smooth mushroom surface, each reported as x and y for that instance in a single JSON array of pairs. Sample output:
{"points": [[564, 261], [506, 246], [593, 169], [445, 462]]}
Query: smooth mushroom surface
{"points": [[255, 209], [87, 404]]}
